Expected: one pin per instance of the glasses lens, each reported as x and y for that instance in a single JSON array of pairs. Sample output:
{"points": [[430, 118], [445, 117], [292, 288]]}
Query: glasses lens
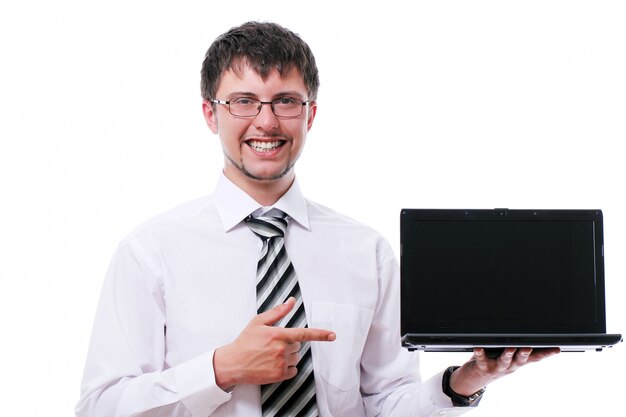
{"points": [[287, 107], [243, 106]]}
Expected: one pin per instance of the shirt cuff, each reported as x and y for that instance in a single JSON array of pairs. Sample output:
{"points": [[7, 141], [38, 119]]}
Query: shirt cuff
{"points": [[197, 388]]}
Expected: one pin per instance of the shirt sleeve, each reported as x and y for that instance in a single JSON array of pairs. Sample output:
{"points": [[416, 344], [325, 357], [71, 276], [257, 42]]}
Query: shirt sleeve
{"points": [[390, 381], [126, 373]]}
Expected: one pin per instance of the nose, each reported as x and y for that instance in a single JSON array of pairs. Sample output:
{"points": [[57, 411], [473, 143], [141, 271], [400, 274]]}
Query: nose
{"points": [[266, 119]]}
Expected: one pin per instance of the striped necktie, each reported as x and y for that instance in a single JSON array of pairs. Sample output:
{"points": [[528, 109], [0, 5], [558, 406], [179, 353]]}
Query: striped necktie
{"points": [[276, 281]]}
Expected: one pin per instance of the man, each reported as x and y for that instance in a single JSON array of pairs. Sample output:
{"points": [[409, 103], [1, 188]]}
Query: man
{"points": [[189, 324]]}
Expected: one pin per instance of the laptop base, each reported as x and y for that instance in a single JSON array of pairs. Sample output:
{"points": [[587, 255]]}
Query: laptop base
{"points": [[495, 343]]}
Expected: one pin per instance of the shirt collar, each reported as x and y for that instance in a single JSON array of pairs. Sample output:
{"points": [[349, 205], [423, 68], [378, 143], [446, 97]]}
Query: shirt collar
{"points": [[233, 204]]}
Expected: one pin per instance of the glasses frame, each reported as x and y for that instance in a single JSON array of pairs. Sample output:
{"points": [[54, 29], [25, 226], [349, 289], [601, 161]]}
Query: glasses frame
{"points": [[261, 103]]}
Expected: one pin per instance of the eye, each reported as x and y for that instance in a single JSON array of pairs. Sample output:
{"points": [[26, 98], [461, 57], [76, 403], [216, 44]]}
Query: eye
{"points": [[286, 101], [244, 101]]}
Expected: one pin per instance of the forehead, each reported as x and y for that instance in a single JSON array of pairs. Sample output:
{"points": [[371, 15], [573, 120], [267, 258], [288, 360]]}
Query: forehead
{"points": [[246, 79]]}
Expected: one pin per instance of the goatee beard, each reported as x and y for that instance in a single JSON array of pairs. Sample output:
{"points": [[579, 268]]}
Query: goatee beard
{"points": [[240, 166]]}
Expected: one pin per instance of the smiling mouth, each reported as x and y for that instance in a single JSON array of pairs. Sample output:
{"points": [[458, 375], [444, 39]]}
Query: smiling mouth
{"points": [[265, 146]]}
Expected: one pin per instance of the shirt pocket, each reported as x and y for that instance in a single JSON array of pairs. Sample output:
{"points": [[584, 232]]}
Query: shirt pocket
{"points": [[338, 362]]}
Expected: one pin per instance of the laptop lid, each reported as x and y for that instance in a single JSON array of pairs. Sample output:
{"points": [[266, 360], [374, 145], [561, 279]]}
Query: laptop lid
{"points": [[497, 277]]}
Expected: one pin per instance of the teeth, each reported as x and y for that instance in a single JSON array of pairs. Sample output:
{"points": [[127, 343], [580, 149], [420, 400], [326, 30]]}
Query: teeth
{"points": [[263, 146]]}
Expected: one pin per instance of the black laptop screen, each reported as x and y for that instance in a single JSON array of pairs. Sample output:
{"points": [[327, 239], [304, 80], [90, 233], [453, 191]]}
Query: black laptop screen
{"points": [[502, 271]]}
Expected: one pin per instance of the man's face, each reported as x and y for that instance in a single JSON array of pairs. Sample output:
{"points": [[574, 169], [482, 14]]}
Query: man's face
{"points": [[263, 148]]}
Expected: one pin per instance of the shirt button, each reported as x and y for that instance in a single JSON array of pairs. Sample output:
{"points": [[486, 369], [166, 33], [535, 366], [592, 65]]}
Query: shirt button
{"points": [[443, 412]]}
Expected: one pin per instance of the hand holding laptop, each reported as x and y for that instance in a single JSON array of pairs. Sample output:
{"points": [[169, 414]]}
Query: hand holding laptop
{"points": [[481, 370]]}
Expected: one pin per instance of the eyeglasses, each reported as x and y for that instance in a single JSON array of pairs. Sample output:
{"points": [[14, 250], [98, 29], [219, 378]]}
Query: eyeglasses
{"points": [[285, 107]]}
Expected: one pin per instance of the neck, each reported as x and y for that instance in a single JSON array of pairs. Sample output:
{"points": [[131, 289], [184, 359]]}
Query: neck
{"points": [[264, 192]]}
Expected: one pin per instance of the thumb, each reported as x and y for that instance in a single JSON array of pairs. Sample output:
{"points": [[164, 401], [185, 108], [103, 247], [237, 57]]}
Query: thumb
{"points": [[275, 314]]}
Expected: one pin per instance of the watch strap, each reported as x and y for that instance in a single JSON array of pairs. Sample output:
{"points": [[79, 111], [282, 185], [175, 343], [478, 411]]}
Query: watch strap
{"points": [[458, 400]]}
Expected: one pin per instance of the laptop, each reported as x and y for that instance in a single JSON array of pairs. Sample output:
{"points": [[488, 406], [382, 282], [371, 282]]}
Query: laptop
{"points": [[502, 278]]}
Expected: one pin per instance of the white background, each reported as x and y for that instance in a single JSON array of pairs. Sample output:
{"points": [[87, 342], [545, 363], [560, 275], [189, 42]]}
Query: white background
{"points": [[443, 104]]}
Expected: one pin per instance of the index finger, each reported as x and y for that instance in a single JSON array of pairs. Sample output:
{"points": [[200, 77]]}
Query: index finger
{"points": [[305, 334]]}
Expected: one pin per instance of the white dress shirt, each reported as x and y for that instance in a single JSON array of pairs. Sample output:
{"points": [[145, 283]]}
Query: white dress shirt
{"points": [[183, 284]]}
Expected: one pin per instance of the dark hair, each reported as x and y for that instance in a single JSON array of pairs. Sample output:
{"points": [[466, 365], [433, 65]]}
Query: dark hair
{"points": [[263, 46]]}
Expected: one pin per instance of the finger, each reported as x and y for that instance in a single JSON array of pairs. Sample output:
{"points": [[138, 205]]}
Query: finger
{"points": [[542, 353], [309, 335], [480, 355], [505, 359], [521, 356], [294, 348], [480, 359], [275, 314], [293, 359], [290, 372]]}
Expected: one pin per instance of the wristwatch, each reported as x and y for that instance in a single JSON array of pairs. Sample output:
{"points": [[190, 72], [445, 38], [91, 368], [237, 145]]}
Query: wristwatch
{"points": [[458, 400]]}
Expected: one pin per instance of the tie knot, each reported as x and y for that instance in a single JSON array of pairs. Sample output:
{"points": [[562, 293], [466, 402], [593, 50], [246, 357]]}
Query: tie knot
{"points": [[266, 227]]}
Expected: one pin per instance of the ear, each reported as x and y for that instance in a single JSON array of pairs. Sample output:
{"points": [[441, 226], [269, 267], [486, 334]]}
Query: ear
{"points": [[210, 115], [311, 115]]}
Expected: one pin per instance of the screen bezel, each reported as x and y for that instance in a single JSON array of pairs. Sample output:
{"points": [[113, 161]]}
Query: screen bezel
{"points": [[419, 317]]}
